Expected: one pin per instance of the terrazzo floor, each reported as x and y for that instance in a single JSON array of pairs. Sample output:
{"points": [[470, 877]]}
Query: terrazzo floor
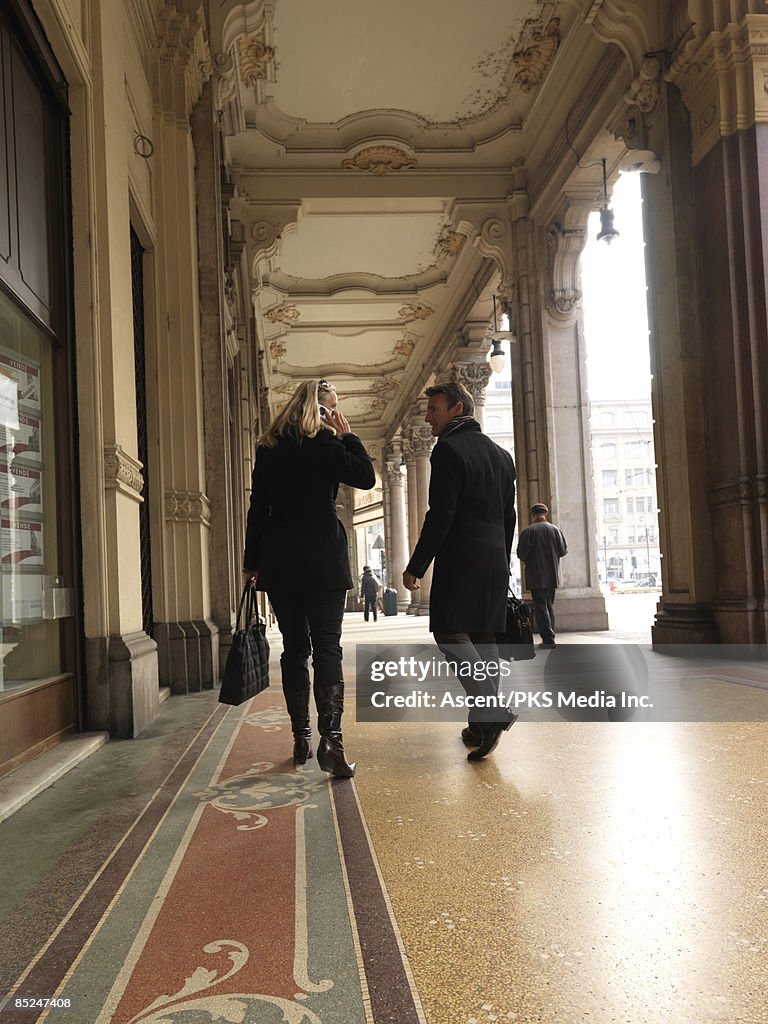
{"points": [[587, 871]]}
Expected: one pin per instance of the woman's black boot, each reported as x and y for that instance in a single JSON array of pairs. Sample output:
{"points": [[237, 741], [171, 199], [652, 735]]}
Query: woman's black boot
{"points": [[330, 753], [297, 702]]}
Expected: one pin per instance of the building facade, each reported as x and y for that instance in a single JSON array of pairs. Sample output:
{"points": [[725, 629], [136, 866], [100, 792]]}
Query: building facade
{"points": [[625, 490]]}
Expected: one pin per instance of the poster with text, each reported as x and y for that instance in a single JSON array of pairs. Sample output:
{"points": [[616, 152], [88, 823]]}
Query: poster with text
{"points": [[27, 377], [21, 543], [22, 442], [9, 402], [22, 598], [20, 488]]}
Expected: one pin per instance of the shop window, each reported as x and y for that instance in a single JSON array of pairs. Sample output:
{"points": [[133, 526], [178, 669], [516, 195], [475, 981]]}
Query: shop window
{"points": [[31, 602]]}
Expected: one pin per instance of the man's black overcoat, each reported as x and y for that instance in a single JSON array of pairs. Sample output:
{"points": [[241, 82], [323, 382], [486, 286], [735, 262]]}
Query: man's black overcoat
{"points": [[294, 539], [468, 531]]}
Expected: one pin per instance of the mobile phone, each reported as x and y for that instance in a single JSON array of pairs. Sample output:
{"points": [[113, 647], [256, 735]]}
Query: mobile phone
{"points": [[323, 412]]}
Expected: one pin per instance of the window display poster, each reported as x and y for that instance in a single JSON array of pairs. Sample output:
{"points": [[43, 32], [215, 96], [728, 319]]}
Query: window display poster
{"points": [[20, 488], [21, 597], [21, 543], [22, 440], [27, 377], [9, 402]]}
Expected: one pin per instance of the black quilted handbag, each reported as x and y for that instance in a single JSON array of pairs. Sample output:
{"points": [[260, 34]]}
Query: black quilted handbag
{"points": [[247, 670], [516, 642]]}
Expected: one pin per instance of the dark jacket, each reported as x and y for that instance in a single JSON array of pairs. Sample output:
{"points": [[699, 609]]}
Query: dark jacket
{"points": [[468, 531], [369, 585], [540, 547], [293, 531]]}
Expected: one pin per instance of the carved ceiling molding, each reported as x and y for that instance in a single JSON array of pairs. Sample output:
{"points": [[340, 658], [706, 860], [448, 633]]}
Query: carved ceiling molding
{"points": [[724, 81], [404, 348], [329, 370], [409, 313], [283, 315], [645, 90], [380, 159], [450, 243], [256, 60], [180, 60], [187, 507], [566, 242], [231, 308], [263, 226], [277, 350], [494, 241], [122, 472], [373, 283], [623, 22], [539, 44]]}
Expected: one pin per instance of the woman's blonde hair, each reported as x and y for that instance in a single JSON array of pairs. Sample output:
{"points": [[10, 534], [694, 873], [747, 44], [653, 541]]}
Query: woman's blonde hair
{"points": [[300, 416]]}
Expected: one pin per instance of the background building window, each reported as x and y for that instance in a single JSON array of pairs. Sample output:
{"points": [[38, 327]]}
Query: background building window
{"points": [[609, 478], [611, 506]]}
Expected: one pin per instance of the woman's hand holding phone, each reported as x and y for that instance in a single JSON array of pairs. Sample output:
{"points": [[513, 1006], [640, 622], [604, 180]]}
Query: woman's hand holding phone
{"points": [[338, 421]]}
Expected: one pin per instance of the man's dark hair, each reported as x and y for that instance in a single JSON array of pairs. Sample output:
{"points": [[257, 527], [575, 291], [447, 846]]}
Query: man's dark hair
{"points": [[455, 393]]}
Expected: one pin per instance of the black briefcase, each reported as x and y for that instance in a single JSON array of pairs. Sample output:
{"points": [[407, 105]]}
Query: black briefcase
{"points": [[516, 642], [247, 670]]}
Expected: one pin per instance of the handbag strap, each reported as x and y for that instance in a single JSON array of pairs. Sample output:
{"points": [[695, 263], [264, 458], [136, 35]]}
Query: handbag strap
{"points": [[248, 600]]}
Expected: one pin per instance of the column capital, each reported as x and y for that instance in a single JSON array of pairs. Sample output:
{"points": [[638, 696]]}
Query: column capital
{"points": [[474, 376], [723, 79], [422, 440]]}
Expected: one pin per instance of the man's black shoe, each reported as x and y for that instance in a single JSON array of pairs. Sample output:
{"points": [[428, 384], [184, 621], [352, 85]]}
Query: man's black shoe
{"points": [[491, 735], [547, 643], [472, 736]]}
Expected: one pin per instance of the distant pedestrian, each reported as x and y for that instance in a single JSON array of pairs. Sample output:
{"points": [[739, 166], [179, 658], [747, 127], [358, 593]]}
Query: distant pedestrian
{"points": [[540, 548], [369, 591]]}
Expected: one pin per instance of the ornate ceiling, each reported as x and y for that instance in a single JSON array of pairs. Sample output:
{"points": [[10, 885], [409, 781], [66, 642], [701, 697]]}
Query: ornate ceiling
{"points": [[372, 144]]}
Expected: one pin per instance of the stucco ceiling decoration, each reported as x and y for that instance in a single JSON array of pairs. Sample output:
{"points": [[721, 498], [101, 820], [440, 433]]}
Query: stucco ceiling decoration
{"points": [[535, 55], [351, 87], [409, 313], [380, 160], [282, 315], [256, 60]]}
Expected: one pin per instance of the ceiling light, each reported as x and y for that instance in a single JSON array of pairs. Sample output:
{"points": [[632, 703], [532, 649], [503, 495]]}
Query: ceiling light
{"points": [[607, 231]]}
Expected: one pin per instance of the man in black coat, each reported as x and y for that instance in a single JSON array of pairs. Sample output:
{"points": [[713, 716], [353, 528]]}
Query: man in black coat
{"points": [[468, 532], [540, 548]]}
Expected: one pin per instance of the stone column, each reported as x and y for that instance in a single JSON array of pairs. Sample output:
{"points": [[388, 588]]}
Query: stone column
{"points": [[414, 525], [186, 635], [396, 540], [552, 438], [707, 251], [422, 447], [219, 345], [121, 660]]}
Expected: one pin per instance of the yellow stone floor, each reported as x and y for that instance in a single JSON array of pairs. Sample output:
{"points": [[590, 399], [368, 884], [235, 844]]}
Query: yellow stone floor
{"points": [[602, 872]]}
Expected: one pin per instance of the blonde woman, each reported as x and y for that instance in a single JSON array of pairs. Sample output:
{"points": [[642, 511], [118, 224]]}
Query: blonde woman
{"points": [[296, 551]]}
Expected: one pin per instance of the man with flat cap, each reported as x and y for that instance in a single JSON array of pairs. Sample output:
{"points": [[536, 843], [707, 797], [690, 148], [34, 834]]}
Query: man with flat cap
{"points": [[540, 547]]}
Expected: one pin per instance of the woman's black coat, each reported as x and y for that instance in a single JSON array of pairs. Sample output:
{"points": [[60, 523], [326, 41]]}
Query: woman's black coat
{"points": [[294, 539], [468, 531]]}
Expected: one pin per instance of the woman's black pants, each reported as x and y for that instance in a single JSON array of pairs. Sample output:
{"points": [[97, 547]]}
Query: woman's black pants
{"points": [[310, 622]]}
